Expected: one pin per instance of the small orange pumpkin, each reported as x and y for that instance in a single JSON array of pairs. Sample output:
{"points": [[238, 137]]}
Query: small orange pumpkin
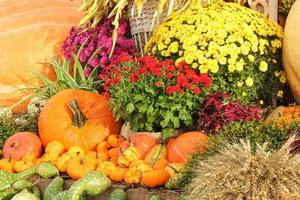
{"points": [[113, 141], [114, 153], [155, 178], [103, 146], [106, 167], [118, 174], [78, 118], [133, 176], [80, 165], [21, 144], [181, 148], [7, 165]]}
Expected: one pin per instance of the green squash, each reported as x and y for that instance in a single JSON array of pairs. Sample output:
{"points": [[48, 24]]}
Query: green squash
{"points": [[46, 170], [118, 194], [55, 187], [92, 184], [8, 179], [25, 195], [21, 184], [36, 191], [7, 194]]}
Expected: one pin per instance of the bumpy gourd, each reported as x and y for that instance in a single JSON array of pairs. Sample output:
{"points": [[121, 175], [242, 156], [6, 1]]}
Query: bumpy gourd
{"points": [[25, 195], [118, 194], [55, 187], [21, 184], [92, 184], [7, 193], [8, 179], [46, 170], [36, 191]]}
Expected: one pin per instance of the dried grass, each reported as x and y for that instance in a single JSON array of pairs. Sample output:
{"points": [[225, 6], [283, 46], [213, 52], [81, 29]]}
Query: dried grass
{"points": [[239, 173]]}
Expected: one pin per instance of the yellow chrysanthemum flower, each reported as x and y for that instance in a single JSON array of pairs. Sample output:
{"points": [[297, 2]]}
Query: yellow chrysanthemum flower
{"points": [[280, 93], [282, 79], [249, 82], [173, 48], [240, 83], [231, 68], [263, 66]]}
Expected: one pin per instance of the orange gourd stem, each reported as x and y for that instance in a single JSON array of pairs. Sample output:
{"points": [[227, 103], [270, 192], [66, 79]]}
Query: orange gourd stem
{"points": [[78, 119]]}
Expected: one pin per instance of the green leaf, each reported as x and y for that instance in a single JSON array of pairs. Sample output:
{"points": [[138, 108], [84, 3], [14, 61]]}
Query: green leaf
{"points": [[78, 66], [138, 97], [142, 107], [43, 78], [130, 108]]}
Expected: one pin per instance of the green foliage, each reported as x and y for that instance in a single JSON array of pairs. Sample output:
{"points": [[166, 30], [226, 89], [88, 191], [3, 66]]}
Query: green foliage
{"points": [[285, 6], [68, 75], [65, 80], [256, 133]]}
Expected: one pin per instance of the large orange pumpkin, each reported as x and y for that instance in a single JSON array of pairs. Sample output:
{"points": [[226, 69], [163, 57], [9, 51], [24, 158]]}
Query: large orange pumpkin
{"points": [[31, 31], [76, 118], [291, 50], [181, 148], [21, 144]]}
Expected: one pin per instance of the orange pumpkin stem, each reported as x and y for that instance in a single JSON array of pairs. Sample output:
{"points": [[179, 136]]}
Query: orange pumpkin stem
{"points": [[78, 118]]}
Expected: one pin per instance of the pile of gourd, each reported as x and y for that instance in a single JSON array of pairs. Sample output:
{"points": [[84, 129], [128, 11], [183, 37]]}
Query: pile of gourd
{"points": [[139, 160]]}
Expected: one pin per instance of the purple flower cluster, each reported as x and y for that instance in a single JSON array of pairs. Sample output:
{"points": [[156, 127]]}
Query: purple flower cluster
{"points": [[98, 37], [215, 112]]}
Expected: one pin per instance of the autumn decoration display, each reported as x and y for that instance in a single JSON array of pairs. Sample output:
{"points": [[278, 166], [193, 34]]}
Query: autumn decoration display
{"points": [[207, 112]]}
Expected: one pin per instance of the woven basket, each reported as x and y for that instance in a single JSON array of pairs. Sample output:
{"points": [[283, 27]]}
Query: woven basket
{"points": [[141, 26]]}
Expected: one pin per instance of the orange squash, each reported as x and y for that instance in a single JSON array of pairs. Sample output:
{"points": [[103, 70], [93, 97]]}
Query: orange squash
{"points": [[181, 148], [80, 165], [21, 144], [155, 178], [30, 32], [76, 118], [117, 174]]}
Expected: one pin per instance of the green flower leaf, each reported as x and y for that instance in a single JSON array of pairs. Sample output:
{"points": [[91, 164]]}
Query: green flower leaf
{"points": [[130, 108]]}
